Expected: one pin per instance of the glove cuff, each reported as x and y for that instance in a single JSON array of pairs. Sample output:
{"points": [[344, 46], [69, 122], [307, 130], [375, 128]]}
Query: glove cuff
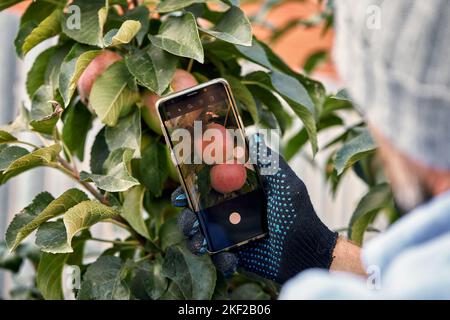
{"points": [[310, 248]]}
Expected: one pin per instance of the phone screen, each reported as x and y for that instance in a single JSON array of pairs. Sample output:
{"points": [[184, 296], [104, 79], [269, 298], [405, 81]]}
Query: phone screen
{"points": [[209, 147], [211, 151]]}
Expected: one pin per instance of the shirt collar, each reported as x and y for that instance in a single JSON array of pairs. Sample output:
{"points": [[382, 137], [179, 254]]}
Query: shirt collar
{"points": [[423, 224]]}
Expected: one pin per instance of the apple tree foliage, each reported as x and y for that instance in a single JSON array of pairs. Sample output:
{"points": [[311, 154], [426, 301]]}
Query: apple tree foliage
{"points": [[130, 178]]}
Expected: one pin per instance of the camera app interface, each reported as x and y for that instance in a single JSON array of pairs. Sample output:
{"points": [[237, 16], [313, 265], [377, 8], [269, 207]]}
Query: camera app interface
{"points": [[209, 146]]}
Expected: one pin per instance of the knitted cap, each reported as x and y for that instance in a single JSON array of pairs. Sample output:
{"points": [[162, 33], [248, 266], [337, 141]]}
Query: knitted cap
{"points": [[394, 57]]}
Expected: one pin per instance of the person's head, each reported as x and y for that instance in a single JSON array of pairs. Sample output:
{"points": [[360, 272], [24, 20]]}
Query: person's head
{"points": [[394, 58]]}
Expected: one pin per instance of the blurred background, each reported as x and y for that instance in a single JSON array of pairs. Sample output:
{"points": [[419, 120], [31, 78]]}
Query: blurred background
{"points": [[295, 29]]}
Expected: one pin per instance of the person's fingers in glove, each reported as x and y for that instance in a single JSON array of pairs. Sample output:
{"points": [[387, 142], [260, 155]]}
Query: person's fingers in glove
{"points": [[225, 262], [189, 226], [297, 239]]}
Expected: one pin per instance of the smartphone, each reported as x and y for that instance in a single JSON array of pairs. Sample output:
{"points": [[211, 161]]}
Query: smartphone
{"points": [[204, 132]]}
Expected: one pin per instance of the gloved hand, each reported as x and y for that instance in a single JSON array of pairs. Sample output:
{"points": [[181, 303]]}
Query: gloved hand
{"points": [[297, 239]]}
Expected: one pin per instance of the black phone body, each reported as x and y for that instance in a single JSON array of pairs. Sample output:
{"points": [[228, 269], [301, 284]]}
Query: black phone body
{"points": [[227, 218]]}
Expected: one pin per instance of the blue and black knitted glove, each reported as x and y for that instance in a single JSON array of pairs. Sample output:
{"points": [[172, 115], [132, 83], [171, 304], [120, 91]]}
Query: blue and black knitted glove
{"points": [[297, 239]]}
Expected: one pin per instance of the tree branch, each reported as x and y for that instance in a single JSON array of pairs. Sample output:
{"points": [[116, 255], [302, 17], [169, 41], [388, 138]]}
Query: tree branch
{"points": [[74, 175], [66, 168]]}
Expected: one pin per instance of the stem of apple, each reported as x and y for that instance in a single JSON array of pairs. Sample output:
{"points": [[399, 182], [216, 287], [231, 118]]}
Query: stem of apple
{"points": [[190, 64], [132, 243]]}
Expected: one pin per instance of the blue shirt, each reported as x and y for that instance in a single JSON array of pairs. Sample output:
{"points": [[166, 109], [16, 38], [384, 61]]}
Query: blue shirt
{"points": [[411, 260]]}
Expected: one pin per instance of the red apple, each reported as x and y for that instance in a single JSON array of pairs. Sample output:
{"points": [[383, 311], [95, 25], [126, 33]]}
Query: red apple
{"points": [[95, 68], [226, 178], [149, 112], [207, 146], [181, 80]]}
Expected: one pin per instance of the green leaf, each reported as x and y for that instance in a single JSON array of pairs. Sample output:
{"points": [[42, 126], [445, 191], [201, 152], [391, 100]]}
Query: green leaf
{"points": [[45, 111], [25, 216], [51, 235], [127, 31], [153, 68], [6, 137], [10, 154], [179, 36], [79, 245], [117, 178], [92, 17], [233, 27], [274, 105], [24, 31], [335, 103], [301, 138], [169, 234], [195, 275], [292, 89], [41, 105], [111, 96], [40, 157], [353, 151], [99, 152], [9, 261], [126, 134], [342, 95], [47, 124], [255, 53], [140, 14], [21, 228], [36, 77], [173, 292], [157, 283], [132, 210], [37, 11], [77, 123], [174, 5], [46, 69], [314, 61], [105, 280], [249, 291], [154, 169], [221, 289], [80, 217], [49, 273], [315, 89], [147, 280], [296, 96], [243, 94], [49, 27], [378, 197], [159, 209], [72, 67]]}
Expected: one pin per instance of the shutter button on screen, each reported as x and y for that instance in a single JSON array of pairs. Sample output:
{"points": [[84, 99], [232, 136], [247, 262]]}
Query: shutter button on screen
{"points": [[235, 218]]}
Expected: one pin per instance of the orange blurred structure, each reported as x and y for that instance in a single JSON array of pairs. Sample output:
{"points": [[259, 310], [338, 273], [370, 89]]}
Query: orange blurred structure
{"points": [[300, 42], [296, 45], [20, 7]]}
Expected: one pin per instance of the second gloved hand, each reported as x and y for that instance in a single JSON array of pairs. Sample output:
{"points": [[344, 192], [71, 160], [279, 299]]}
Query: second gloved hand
{"points": [[297, 239]]}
